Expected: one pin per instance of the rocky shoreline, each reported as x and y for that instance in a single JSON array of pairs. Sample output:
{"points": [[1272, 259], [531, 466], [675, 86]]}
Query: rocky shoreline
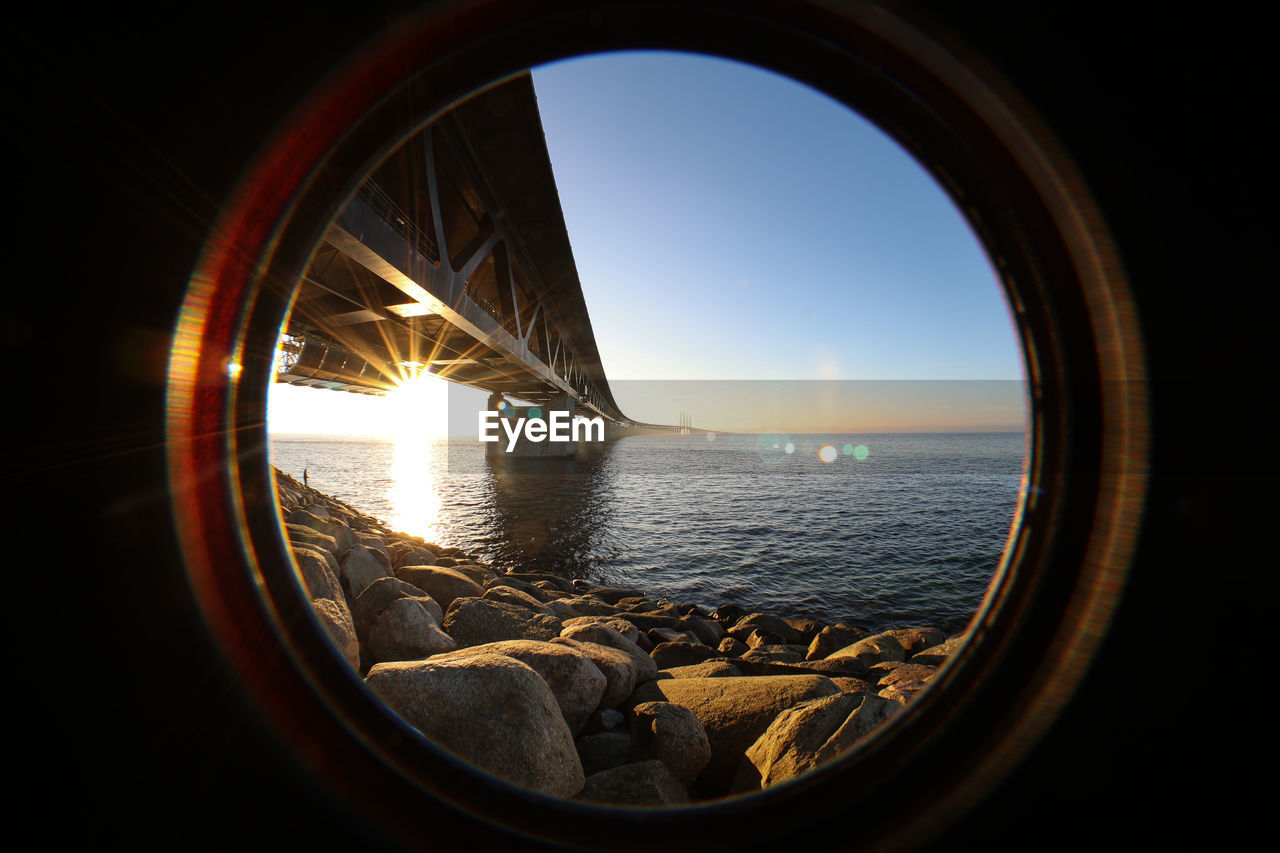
{"points": [[601, 694]]}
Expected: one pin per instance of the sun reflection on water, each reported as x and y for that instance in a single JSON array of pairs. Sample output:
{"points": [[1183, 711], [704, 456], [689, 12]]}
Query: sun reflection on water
{"points": [[419, 424]]}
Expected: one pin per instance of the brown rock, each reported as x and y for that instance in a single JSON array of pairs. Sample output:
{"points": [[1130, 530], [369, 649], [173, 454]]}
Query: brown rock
{"points": [[734, 712], [406, 631], [575, 681], [648, 783], [337, 622], [873, 650], [715, 668], [672, 734], [646, 669], [667, 655], [832, 639], [812, 733], [474, 622], [937, 655], [490, 710], [440, 582], [917, 639]]}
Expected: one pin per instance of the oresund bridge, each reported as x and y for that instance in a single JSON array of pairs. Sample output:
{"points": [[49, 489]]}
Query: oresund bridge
{"points": [[453, 257]]}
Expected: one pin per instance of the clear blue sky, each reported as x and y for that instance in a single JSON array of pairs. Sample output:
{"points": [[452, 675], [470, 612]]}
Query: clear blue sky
{"points": [[728, 223]]}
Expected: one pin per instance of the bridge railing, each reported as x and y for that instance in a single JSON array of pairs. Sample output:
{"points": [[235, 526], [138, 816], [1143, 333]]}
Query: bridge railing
{"points": [[382, 204]]}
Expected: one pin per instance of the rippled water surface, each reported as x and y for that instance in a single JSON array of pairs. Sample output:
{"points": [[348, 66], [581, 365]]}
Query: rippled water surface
{"points": [[896, 530]]}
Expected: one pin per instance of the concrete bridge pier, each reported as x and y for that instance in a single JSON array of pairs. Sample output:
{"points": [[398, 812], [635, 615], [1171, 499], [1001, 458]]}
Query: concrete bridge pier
{"points": [[525, 448]]}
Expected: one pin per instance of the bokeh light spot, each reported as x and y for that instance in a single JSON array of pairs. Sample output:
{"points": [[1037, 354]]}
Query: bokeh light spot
{"points": [[861, 452], [827, 454]]}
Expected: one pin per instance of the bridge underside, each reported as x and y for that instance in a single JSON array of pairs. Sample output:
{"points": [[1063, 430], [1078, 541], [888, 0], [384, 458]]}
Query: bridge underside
{"points": [[453, 257]]}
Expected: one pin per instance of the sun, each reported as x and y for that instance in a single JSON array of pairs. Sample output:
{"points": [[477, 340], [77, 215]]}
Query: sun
{"points": [[419, 409]]}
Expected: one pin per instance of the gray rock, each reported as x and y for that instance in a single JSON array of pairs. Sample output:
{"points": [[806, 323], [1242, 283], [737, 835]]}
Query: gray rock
{"points": [[474, 622], [576, 682], [337, 622], [406, 631], [603, 750], [360, 568], [812, 733], [648, 783], [441, 583], [490, 710], [672, 734]]}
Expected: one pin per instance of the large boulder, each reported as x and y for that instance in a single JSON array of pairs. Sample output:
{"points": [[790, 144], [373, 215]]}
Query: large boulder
{"points": [[672, 734], [409, 554], [578, 684], [337, 622], [872, 650], [517, 597], [706, 630], [441, 583], [734, 712], [812, 733], [646, 783], [938, 655], [406, 631], [475, 621], [340, 532], [299, 535], [833, 638], [616, 665], [319, 573], [379, 595], [916, 639], [617, 623], [360, 567], [490, 710], [767, 624], [646, 669]]}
